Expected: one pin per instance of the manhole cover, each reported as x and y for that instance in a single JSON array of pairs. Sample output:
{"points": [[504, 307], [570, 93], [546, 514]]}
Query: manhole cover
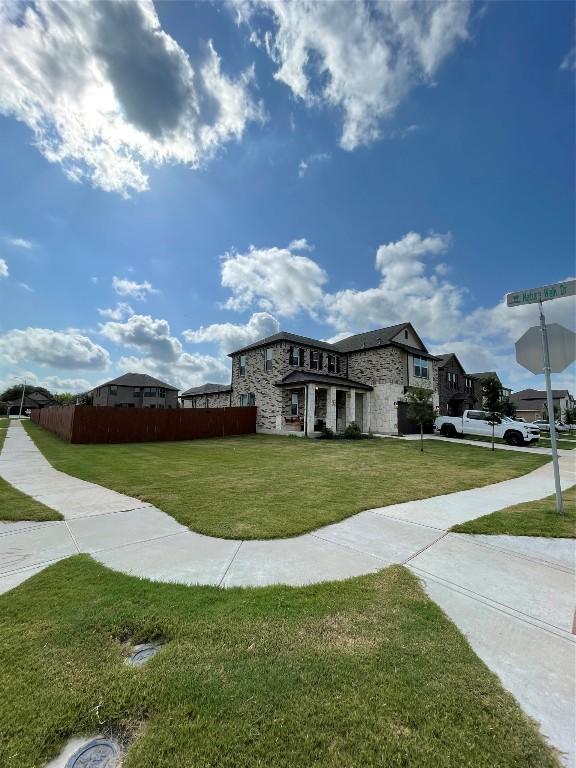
{"points": [[142, 653], [98, 753]]}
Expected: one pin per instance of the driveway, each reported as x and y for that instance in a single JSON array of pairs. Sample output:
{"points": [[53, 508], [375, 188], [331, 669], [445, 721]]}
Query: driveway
{"points": [[513, 597]]}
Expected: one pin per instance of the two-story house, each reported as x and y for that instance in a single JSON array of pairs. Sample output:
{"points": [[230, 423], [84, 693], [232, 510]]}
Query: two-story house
{"points": [[457, 390], [301, 384], [135, 390], [207, 396]]}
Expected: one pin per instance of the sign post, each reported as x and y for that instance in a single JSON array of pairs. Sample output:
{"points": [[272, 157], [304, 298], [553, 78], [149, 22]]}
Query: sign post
{"points": [[538, 295]]}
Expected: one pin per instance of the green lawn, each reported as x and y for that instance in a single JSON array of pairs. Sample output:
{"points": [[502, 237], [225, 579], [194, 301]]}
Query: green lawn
{"points": [[361, 673], [258, 486], [17, 506], [535, 518]]}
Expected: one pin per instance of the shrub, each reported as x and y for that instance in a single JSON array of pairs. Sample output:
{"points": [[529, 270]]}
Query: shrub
{"points": [[327, 433], [352, 432]]}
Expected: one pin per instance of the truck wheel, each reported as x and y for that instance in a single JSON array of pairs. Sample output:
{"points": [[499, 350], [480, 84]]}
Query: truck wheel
{"points": [[514, 438], [448, 430]]}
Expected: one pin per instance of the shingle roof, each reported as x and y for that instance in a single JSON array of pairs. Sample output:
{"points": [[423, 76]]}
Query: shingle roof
{"points": [[376, 338], [207, 389], [311, 377], [137, 380], [538, 394], [283, 336]]}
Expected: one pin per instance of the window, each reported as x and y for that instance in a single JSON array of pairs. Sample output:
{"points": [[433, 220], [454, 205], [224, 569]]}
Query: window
{"points": [[405, 333], [113, 390], [477, 415], [249, 399], [331, 363], [268, 358], [161, 392], [297, 356], [150, 392], [294, 404], [136, 392], [316, 361], [468, 382], [242, 365], [421, 367], [452, 380]]}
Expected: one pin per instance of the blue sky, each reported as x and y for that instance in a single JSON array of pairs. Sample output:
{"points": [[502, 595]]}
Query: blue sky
{"points": [[180, 180]]}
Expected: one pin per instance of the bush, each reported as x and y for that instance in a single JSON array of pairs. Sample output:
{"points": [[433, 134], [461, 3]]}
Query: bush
{"points": [[352, 432], [327, 433]]}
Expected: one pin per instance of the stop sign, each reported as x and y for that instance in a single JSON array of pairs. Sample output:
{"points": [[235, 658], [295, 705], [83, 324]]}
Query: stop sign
{"points": [[561, 343]]}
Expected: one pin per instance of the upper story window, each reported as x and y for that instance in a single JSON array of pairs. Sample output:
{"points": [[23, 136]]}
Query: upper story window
{"points": [[113, 389], [316, 361], [405, 333], [242, 365], [452, 379], [150, 392], [421, 368], [161, 392], [332, 363], [136, 392], [468, 382], [297, 356], [268, 359]]}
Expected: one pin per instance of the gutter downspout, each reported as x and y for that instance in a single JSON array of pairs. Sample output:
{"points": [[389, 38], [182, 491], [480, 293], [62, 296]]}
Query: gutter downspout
{"points": [[305, 411]]}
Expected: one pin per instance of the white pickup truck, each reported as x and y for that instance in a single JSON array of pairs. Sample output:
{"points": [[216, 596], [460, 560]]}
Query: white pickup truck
{"points": [[478, 423]]}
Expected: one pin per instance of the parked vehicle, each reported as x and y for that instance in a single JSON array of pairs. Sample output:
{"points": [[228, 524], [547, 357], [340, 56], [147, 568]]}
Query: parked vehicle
{"points": [[545, 426], [478, 423]]}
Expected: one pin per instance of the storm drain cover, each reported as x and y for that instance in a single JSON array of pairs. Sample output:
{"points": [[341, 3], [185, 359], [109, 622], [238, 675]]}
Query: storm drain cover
{"points": [[142, 653], [98, 753]]}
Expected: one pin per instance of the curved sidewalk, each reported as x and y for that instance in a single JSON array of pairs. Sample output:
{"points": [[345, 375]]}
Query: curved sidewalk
{"points": [[513, 597]]}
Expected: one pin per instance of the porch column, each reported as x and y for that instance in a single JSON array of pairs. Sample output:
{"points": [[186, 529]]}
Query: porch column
{"points": [[331, 409], [367, 401], [311, 408], [351, 408]]}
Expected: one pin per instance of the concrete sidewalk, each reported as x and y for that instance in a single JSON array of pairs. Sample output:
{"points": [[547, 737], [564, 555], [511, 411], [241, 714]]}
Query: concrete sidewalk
{"points": [[513, 597]]}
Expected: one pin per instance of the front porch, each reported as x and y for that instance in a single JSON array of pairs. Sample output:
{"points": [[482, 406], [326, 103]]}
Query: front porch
{"points": [[310, 406]]}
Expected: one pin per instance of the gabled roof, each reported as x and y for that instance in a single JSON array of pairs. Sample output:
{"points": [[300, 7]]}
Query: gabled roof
{"points": [[485, 375], [538, 394], [295, 378], [207, 389], [378, 338], [291, 337], [137, 380], [444, 359]]}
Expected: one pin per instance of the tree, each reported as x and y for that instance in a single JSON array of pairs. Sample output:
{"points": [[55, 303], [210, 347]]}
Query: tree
{"points": [[508, 408], [570, 415], [493, 402], [556, 412], [15, 392], [420, 409], [65, 398]]}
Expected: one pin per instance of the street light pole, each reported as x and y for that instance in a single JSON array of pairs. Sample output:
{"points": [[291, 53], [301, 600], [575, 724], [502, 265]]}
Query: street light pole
{"points": [[550, 405], [22, 400]]}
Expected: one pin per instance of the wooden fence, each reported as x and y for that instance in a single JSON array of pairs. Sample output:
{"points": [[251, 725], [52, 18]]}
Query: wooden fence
{"points": [[98, 424]]}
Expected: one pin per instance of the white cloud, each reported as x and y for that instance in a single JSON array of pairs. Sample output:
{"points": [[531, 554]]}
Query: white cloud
{"points": [[569, 61], [57, 384], [3, 268], [26, 287], [147, 333], [409, 289], [275, 279], [139, 291], [58, 349], [106, 91], [19, 242], [317, 157], [185, 372], [360, 57], [119, 312], [231, 336]]}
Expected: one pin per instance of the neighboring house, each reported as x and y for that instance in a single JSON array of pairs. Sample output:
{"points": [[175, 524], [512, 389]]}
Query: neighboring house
{"points": [[481, 377], [135, 390], [530, 404], [457, 390], [302, 384], [207, 396], [32, 401]]}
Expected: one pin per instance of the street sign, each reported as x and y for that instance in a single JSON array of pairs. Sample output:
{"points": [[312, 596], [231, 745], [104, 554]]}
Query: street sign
{"points": [[544, 293], [562, 346]]}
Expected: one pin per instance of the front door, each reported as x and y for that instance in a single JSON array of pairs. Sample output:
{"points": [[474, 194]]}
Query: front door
{"points": [[340, 410], [360, 410]]}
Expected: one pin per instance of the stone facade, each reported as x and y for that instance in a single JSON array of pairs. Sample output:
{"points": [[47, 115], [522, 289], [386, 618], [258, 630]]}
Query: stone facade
{"points": [[273, 403], [207, 400]]}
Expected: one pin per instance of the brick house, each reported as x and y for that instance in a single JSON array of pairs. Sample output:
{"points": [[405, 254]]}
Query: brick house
{"points": [[481, 377], [207, 396], [300, 384], [457, 390], [135, 390]]}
